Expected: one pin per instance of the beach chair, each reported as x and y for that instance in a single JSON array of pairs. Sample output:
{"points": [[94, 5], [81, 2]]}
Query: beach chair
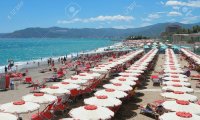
{"points": [[28, 80], [74, 93], [149, 110], [46, 114], [60, 106]]}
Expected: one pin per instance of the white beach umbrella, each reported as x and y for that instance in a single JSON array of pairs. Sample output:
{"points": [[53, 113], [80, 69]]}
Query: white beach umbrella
{"points": [[111, 93], [137, 67], [179, 116], [91, 112], [123, 81], [126, 78], [118, 86], [19, 107], [99, 70], [39, 98], [175, 75], [92, 74], [171, 83], [55, 90], [7, 116], [129, 74], [175, 79], [180, 105], [179, 96], [177, 88], [83, 76], [103, 101], [67, 85], [135, 71], [173, 71], [76, 81]]}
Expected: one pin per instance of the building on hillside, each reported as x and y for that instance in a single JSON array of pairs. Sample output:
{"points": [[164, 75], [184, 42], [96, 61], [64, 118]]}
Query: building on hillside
{"points": [[172, 28]]}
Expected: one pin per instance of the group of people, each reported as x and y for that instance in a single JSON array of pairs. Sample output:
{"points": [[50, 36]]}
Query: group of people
{"points": [[62, 60], [50, 62]]}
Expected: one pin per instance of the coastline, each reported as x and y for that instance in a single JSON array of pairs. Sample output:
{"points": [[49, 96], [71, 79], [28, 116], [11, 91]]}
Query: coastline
{"points": [[22, 65]]}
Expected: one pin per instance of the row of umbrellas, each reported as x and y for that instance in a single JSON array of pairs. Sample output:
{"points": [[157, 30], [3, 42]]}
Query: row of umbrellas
{"points": [[101, 105], [176, 88], [191, 55], [32, 102]]}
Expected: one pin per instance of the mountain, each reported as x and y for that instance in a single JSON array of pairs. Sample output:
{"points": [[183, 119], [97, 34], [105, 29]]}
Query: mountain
{"points": [[57, 32]]}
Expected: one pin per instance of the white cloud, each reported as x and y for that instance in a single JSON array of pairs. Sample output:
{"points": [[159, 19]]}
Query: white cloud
{"points": [[174, 13], [98, 19], [123, 27], [154, 16], [190, 19], [191, 3], [176, 7]]}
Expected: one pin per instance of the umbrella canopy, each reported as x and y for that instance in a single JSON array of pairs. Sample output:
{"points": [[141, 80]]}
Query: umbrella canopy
{"points": [[123, 81], [180, 105], [83, 76], [175, 75], [179, 96], [19, 107], [55, 90], [39, 98], [126, 78], [111, 93], [178, 88], [99, 70], [76, 81], [7, 116], [179, 116], [67, 85], [135, 71], [92, 74], [103, 101], [129, 74], [118, 86], [173, 71], [174, 82], [91, 112], [175, 79]]}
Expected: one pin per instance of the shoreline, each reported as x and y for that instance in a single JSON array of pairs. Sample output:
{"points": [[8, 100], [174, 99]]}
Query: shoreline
{"points": [[21, 65]]}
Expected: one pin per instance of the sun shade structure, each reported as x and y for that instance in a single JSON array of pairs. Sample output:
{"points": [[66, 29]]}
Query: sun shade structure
{"points": [[181, 105], [179, 116], [177, 88], [7, 116], [111, 93], [91, 112], [39, 98], [67, 85], [19, 107], [103, 100], [55, 90], [176, 82], [179, 96], [118, 86]]}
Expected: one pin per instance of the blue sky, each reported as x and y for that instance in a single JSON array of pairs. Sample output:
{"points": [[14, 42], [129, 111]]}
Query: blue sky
{"points": [[20, 14]]}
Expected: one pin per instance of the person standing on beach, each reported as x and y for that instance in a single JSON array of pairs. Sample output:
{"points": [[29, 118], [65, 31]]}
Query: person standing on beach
{"points": [[65, 59], [6, 69], [48, 62]]}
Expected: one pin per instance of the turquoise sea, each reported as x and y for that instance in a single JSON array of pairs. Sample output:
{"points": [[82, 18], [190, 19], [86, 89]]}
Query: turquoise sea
{"points": [[35, 48]]}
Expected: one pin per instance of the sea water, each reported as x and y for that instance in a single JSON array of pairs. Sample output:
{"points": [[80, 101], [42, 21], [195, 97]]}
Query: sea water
{"points": [[23, 50]]}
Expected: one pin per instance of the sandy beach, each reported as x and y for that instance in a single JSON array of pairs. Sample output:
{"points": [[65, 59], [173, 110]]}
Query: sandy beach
{"points": [[147, 93]]}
